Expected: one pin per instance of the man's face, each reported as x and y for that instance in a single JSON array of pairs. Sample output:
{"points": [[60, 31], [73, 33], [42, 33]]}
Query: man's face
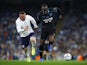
{"points": [[22, 16], [44, 8]]}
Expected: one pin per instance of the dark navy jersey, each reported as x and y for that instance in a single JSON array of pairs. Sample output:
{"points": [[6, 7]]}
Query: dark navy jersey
{"points": [[50, 18]]}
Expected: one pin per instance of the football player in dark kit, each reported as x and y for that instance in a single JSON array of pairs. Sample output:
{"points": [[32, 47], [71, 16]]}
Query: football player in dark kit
{"points": [[48, 17]]}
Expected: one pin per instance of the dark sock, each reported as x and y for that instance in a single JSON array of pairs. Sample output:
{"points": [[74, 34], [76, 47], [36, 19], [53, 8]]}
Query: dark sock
{"points": [[41, 50], [41, 54], [45, 57], [46, 49]]}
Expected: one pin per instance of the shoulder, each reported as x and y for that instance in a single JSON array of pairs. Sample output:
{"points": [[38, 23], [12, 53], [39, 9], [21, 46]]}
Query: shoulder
{"points": [[17, 20], [54, 9], [50, 10], [39, 13], [28, 16]]}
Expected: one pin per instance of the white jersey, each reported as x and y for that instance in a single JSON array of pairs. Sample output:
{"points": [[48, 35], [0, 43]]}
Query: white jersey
{"points": [[27, 22]]}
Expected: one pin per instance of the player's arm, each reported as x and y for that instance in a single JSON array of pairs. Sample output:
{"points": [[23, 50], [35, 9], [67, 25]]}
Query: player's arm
{"points": [[60, 13], [19, 28], [33, 22], [38, 18]]}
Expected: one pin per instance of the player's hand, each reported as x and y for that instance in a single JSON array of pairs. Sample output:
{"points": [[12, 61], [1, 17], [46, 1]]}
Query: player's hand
{"points": [[60, 17], [26, 28], [35, 29]]}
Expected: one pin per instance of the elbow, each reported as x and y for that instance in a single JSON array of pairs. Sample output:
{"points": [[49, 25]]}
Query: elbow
{"points": [[18, 31]]}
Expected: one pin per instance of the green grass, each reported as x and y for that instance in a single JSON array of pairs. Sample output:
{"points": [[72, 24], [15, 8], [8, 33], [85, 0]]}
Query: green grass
{"points": [[4, 62]]}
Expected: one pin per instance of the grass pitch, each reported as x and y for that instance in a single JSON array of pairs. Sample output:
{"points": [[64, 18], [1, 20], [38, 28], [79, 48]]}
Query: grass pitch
{"points": [[15, 62]]}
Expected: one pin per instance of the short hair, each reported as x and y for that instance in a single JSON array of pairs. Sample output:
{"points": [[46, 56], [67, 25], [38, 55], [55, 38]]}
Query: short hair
{"points": [[44, 5], [22, 12]]}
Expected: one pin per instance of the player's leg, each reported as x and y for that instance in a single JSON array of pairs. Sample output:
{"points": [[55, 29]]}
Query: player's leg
{"points": [[30, 39], [51, 41], [33, 44], [41, 49], [25, 44], [45, 49], [47, 46], [51, 38]]}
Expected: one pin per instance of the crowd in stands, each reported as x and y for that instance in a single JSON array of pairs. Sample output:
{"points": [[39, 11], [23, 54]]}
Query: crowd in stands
{"points": [[73, 35]]}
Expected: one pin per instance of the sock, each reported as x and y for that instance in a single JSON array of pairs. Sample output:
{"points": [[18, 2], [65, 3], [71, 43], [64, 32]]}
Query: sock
{"points": [[41, 54], [41, 50], [33, 44], [44, 57], [25, 51], [46, 50]]}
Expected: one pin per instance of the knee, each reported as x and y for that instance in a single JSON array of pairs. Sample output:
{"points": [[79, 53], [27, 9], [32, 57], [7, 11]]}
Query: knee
{"points": [[51, 38], [42, 41], [33, 39]]}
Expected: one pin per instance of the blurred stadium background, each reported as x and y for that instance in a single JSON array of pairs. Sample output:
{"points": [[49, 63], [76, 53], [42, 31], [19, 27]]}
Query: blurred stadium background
{"points": [[71, 35]]}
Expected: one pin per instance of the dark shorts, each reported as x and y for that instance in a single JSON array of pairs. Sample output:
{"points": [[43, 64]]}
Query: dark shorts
{"points": [[46, 33], [25, 40]]}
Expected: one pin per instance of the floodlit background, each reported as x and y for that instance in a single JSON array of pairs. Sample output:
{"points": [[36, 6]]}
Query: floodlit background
{"points": [[71, 35]]}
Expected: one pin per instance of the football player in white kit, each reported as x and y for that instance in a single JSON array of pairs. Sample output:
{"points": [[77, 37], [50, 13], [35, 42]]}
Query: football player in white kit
{"points": [[26, 32]]}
